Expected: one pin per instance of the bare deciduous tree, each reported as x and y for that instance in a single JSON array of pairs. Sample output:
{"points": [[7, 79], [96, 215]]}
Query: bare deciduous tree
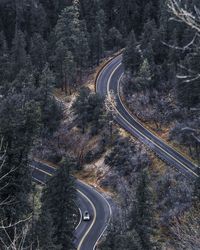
{"points": [[183, 14], [17, 242], [4, 175], [186, 231], [19, 239], [191, 17]]}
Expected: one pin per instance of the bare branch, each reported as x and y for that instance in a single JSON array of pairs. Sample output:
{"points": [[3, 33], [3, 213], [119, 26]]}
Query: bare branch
{"points": [[186, 230], [188, 46], [184, 16], [15, 224], [19, 238]]}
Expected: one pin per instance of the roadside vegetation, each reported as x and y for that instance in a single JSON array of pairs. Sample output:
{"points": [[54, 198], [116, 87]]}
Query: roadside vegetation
{"points": [[161, 84], [49, 51]]}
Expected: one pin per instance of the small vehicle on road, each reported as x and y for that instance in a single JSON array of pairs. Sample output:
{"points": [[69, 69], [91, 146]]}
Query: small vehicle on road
{"points": [[86, 216]]}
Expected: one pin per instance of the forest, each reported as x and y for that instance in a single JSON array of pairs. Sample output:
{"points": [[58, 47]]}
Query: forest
{"points": [[50, 54]]}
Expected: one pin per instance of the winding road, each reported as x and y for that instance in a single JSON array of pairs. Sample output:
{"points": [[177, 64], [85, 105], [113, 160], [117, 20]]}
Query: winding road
{"points": [[108, 81], [87, 233]]}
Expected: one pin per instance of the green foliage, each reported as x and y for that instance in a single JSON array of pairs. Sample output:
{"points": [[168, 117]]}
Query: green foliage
{"points": [[26, 108], [143, 217], [83, 50], [160, 43], [59, 199], [45, 232], [94, 15], [90, 110], [144, 79], [19, 56], [114, 39], [4, 58], [124, 158], [132, 56], [65, 68], [52, 10], [19, 128], [196, 193], [72, 49], [188, 90], [38, 52], [162, 74], [117, 240], [138, 231], [67, 27], [44, 43]]}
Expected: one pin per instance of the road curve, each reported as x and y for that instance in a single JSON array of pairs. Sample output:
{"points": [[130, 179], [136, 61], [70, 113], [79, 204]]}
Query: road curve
{"points": [[107, 82], [87, 234]]}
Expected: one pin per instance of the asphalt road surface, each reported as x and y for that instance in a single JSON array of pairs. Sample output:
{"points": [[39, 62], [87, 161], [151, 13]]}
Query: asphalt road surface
{"points": [[87, 233], [108, 84]]}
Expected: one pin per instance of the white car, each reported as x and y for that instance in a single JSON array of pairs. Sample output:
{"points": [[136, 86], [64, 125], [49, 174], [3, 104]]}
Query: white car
{"points": [[86, 216]]}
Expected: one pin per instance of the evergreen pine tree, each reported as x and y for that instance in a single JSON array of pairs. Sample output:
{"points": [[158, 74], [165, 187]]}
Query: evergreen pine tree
{"points": [[4, 58], [89, 108], [80, 107], [45, 232], [94, 17], [83, 50], [144, 208], [69, 68], [114, 39], [51, 112], [72, 43], [65, 67], [188, 88], [38, 52], [196, 193], [19, 56], [68, 28], [95, 112], [144, 79], [98, 36], [131, 56], [18, 127], [128, 16], [148, 34], [59, 196]]}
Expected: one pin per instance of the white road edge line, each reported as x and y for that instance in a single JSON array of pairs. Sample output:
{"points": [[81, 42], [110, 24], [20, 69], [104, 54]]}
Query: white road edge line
{"points": [[80, 212], [92, 224], [162, 141], [41, 182], [81, 216], [107, 224], [110, 210], [108, 92], [93, 207], [41, 170]]}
